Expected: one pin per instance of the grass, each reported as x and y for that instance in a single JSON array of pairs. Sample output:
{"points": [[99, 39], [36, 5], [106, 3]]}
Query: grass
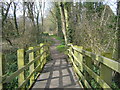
{"points": [[59, 38], [61, 48]]}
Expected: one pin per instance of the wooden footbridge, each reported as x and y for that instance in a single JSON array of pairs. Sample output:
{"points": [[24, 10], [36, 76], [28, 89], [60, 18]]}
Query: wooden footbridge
{"points": [[74, 70]]}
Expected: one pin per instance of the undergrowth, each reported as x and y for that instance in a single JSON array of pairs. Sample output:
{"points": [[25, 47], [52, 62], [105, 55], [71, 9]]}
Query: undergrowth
{"points": [[61, 48]]}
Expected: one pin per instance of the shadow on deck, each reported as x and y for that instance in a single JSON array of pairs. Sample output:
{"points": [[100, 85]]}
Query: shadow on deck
{"points": [[57, 73]]}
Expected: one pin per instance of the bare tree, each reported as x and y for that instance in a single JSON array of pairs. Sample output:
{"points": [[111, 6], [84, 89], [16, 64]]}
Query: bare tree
{"points": [[24, 9], [4, 17], [15, 18]]}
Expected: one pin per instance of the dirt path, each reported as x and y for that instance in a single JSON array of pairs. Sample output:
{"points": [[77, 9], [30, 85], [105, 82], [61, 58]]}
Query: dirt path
{"points": [[57, 73]]}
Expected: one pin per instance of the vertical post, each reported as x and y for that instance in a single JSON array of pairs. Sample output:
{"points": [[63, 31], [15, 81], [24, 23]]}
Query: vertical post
{"points": [[45, 54], [20, 54], [80, 58], [1, 86], [70, 48], [31, 68], [42, 55], [88, 62], [38, 62], [106, 72], [76, 55]]}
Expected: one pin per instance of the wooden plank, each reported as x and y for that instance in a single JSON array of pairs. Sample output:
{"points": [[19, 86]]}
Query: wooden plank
{"points": [[88, 62], [95, 76], [41, 51], [1, 86], [106, 61], [20, 54], [36, 48], [102, 83], [75, 58], [38, 61], [107, 77], [31, 68], [76, 55], [80, 58], [80, 83], [79, 73], [106, 74], [15, 74], [27, 79], [76, 67], [44, 49], [69, 51]]}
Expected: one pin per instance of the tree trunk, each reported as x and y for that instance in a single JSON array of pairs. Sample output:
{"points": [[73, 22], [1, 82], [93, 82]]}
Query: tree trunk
{"points": [[58, 20], [23, 17], [118, 11], [63, 21], [117, 75], [4, 16], [15, 20], [38, 31]]}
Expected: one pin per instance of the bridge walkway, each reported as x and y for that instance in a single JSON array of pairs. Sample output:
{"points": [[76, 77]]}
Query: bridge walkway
{"points": [[57, 73]]}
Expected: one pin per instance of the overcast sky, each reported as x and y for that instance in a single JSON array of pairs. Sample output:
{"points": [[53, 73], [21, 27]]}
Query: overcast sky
{"points": [[111, 3]]}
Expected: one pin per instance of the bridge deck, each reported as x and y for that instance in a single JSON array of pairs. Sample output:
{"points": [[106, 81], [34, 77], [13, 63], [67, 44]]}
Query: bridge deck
{"points": [[57, 73]]}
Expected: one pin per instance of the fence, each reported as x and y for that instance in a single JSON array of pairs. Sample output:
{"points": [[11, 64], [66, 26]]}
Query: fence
{"points": [[84, 62], [34, 65]]}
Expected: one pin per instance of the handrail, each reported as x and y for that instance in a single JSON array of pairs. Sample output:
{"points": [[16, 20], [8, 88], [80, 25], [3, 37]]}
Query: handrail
{"points": [[7, 79], [79, 73], [42, 53], [35, 49], [108, 62], [93, 74], [78, 58], [24, 82]]}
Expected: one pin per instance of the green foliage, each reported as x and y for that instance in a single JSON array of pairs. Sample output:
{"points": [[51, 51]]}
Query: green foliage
{"points": [[59, 38], [114, 86], [10, 67], [48, 58], [61, 48], [12, 85], [96, 70], [70, 34], [49, 40], [95, 85], [10, 62]]}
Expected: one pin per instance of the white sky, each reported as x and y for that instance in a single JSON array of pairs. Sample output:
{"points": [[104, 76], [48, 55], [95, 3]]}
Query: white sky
{"points": [[111, 3]]}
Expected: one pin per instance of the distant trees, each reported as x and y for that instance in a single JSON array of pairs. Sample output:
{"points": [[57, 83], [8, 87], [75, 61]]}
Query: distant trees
{"points": [[90, 24], [4, 18], [118, 24], [15, 18], [117, 75], [63, 19], [15, 27]]}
